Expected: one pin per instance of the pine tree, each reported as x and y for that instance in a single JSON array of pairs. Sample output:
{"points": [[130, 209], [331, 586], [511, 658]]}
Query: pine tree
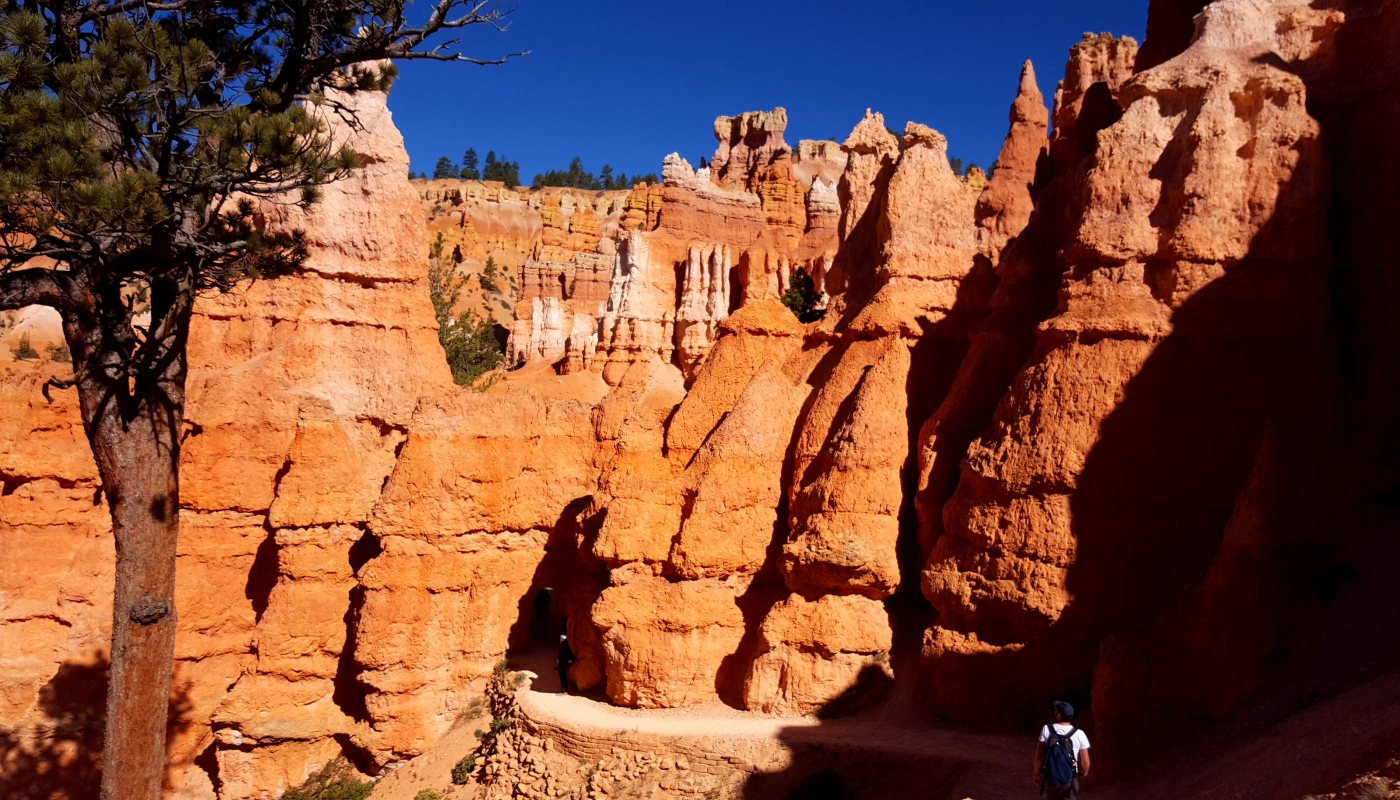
{"points": [[957, 165], [492, 170], [489, 276], [471, 166], [136, 140], [802, 298], [24, 351], [445, 169], [468, 342]]}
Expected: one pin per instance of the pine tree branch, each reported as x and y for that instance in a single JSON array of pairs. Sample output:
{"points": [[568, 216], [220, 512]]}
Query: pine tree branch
{"points": [[95, 10], [36, 287]]}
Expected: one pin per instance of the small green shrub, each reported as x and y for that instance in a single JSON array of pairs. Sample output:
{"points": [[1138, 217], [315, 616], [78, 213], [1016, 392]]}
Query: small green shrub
{"points": [[463, 769], [498, 725], [427, 794], [502, 667], [335, 781], [59, 354], [476, 708]]}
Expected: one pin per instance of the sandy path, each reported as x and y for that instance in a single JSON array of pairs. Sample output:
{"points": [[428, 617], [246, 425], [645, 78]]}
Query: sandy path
{"points": [[885, 753]]}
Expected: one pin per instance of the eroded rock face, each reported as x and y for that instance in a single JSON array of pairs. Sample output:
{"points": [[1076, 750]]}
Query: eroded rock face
{"points": [[812, 652], [299, 392], [693, 512], [1186, 244], [1004, 208], [465, 523], [683, 256], [301, 389], [749, 144], [1106, 382]]}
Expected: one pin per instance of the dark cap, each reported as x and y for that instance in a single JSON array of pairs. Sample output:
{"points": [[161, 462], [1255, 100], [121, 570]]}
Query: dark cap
{"points": [[1063, 709]]}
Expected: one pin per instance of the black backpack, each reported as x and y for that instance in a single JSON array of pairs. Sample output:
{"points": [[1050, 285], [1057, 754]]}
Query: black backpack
{"points": [[1059, 767]]}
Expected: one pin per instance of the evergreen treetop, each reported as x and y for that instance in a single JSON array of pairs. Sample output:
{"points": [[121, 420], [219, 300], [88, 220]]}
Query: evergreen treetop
{"points": [[445, 169]]}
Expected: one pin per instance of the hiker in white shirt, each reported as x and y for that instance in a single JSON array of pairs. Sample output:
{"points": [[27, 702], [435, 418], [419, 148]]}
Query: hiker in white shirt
{"points": [[1062, 757]]}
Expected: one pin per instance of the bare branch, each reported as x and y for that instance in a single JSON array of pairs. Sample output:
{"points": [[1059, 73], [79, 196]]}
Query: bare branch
{"points": [[61, 383], [96, 10], [36, 287]]}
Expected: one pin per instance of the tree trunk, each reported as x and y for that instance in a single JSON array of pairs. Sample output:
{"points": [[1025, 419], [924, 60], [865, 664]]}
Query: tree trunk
{"points": [[133, 425], [137, 462]]}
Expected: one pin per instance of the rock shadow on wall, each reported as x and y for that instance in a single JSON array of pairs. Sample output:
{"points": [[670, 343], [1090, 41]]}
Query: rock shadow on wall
{"points": [[262, 576], [350, 694], [934, 362], [1248, 352], [573, 583], [1246, 374], [765, 592], [63, 760], [768, 587]]}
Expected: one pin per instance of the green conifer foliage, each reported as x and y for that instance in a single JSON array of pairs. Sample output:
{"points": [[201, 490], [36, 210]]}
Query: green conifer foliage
{"points": [[136, 140], [802, 298], [468, 341], [445, 169], [490, 276], [471, 166]]}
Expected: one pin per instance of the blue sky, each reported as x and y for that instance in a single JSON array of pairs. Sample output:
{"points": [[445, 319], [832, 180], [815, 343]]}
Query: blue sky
{"points": [[625, 82]]}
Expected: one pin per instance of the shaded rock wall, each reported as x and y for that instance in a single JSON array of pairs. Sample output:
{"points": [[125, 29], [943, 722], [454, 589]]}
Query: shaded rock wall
{"points": [[1154, 486]]}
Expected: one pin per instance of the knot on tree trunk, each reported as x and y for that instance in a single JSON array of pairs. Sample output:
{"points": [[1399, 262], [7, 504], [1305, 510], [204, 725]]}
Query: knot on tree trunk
{"points": [[149, 610]]}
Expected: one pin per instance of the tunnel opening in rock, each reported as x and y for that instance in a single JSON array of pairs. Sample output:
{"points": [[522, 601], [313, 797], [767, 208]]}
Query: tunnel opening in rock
{"points": [[556, 603]]}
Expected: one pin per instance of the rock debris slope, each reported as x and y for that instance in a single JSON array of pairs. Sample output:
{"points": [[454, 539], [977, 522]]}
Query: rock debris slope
{"points": [[1112, 425]]}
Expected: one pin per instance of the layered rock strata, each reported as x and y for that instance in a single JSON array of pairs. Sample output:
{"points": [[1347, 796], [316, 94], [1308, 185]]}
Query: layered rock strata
{"points": [[1125, 386], [683, 258], [300, 392]]}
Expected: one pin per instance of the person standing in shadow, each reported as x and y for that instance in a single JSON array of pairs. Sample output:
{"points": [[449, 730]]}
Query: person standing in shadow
{"points": [[566, 661], [1062, 757]]}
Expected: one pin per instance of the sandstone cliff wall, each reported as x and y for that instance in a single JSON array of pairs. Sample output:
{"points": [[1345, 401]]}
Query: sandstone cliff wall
{"points": [[1083, 431], [675, 260]]}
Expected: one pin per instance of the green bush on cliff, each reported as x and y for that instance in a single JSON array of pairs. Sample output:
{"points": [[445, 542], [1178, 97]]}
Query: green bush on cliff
{"points": [[802, 298], [335, 781], [468, 341], [463, 769]]}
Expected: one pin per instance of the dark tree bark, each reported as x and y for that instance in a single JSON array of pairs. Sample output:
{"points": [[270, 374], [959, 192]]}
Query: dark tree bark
{"points": [[133, 420]]}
